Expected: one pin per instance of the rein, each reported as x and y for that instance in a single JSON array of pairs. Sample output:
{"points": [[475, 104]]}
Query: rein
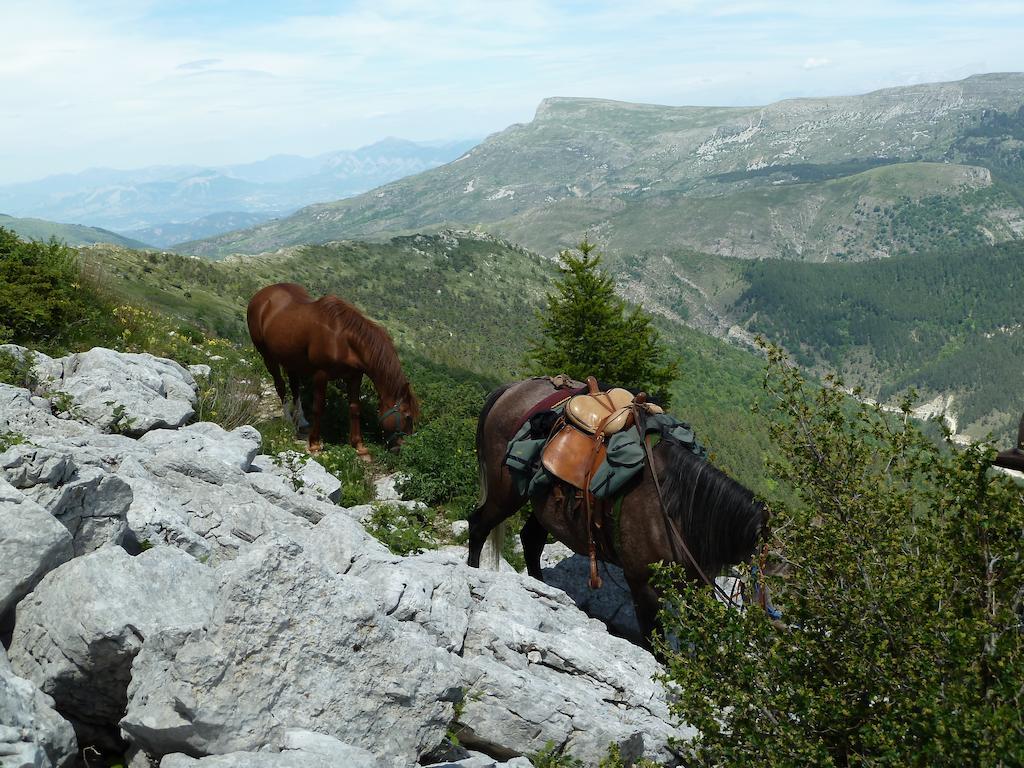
{"points": [[674, 536]]}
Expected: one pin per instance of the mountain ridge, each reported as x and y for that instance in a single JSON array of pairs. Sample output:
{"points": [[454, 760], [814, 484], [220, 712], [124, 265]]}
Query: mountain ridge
{"points": [[611, 168]]}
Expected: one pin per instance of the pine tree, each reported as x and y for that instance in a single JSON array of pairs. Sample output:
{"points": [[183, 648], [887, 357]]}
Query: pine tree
{"points": [[588, 330]]}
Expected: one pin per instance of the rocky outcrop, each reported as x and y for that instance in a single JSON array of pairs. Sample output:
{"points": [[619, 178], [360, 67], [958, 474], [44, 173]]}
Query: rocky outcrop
{"points": [[32, 734], [291, 645], [260, 624], [91, 504], [124, 392], [76, 635], [32, 544]]}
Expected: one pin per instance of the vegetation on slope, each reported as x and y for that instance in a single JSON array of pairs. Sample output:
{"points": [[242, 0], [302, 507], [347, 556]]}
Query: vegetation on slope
{"points": [[71, 234], [901, 640], [945, 322]]}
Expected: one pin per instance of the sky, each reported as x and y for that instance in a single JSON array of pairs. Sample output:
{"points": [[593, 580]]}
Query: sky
{"points": [[112, 83]]}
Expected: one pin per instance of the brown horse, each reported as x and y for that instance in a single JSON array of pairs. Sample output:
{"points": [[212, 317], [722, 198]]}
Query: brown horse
{"points": [[329, 339], [720, 521]]}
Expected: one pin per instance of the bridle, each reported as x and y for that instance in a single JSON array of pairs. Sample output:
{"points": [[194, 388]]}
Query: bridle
{"points": [[395, 412]]}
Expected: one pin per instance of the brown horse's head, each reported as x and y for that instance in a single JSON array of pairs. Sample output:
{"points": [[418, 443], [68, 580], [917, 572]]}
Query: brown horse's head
{"points": [[398, 414]]}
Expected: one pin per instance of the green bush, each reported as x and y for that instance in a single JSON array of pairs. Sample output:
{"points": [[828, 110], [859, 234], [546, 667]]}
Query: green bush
{"points": [[439, 462], [17, 370], [403, 531], [901, 597], [344, 463]]}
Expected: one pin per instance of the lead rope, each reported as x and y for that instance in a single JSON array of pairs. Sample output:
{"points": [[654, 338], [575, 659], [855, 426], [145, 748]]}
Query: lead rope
{"points": [[675, 537]]}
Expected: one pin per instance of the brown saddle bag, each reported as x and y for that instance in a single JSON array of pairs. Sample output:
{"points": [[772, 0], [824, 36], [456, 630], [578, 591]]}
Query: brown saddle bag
{"points": [[573, 456]]}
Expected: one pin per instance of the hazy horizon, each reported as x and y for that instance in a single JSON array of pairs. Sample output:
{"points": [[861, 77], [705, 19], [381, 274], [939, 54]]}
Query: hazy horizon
{"points": [[134, 84]]}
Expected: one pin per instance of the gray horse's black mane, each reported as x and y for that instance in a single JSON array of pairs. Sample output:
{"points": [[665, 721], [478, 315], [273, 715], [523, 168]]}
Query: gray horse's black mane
{"points": [[719, 519]]}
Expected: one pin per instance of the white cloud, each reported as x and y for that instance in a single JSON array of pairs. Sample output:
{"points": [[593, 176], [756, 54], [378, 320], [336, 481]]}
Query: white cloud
{"points": [[816, 63]]}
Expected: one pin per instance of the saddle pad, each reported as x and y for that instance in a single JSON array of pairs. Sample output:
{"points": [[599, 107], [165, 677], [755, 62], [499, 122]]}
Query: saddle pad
{"points": [[588, 411]]}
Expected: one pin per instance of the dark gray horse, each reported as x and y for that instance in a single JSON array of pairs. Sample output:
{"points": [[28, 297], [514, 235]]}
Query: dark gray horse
{"points": [[719, 520]]}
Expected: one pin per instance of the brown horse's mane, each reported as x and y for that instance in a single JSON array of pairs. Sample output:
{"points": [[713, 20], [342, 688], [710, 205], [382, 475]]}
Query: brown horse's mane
{"points": [[377, 346], [722, 520]]}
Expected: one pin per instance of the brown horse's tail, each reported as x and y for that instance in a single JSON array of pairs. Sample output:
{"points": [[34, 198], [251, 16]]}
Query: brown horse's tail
{"points": [[490, 556]]}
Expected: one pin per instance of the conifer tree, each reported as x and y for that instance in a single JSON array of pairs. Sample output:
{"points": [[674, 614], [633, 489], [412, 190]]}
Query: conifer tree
{"points": [[588, 330]]}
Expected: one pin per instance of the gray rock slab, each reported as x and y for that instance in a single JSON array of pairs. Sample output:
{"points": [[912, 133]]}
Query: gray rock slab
{"points": [[75, 636], [210, 443], [291, 645], [90, 502], [32, 734], [32, 543], [546, 672], [210, 512], [152, 391], [21, 415], [302, 473], [480, 760]]}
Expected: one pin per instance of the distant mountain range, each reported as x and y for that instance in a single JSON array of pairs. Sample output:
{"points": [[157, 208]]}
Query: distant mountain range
{"points": [[846, 178], [162, 205]]}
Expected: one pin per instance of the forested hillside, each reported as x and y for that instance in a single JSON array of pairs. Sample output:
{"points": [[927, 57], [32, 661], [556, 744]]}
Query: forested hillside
{"points": [[943, 322]]}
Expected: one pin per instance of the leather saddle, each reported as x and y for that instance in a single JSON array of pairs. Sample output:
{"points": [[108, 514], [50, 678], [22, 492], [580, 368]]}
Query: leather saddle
{"points": [[577, 448]]}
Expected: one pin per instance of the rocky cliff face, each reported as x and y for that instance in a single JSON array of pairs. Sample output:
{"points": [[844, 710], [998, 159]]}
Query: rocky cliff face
{"points": [[163, 591]]}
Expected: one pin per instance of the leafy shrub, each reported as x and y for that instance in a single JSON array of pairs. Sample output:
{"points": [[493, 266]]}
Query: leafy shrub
{"points": [[7, 439], [344, 463], [901, 596], [439, 462], [401, 530], [552, 756], [17, 370]]}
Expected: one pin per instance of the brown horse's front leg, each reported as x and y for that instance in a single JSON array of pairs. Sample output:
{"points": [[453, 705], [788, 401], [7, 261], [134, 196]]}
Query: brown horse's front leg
{"points": [[319, 398], [355, 433]]}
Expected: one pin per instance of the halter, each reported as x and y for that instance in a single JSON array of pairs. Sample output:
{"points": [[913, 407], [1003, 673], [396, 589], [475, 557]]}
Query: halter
{"points": [[397, 432]]}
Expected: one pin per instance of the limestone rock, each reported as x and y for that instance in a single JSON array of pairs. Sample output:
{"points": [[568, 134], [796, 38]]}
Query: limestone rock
{"points": [[546, 672], [32, 544], [303, 474], [32, 734], [127, 392], [209, 445], [205, 507], [21, 415], [91, 503], [76, 635], [290, 645]]}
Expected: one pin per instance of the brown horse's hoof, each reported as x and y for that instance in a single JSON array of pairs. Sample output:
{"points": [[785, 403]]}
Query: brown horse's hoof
{"points": [[316, 447], [364, 454]]}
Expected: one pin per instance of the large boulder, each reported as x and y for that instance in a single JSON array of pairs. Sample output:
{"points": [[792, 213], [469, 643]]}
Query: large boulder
{"points": [[198, 503], [291, 645], [537, 669], [90, 502], [32, 543], [208, 446], [76, 635], [32, 734], [127, 392]]}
